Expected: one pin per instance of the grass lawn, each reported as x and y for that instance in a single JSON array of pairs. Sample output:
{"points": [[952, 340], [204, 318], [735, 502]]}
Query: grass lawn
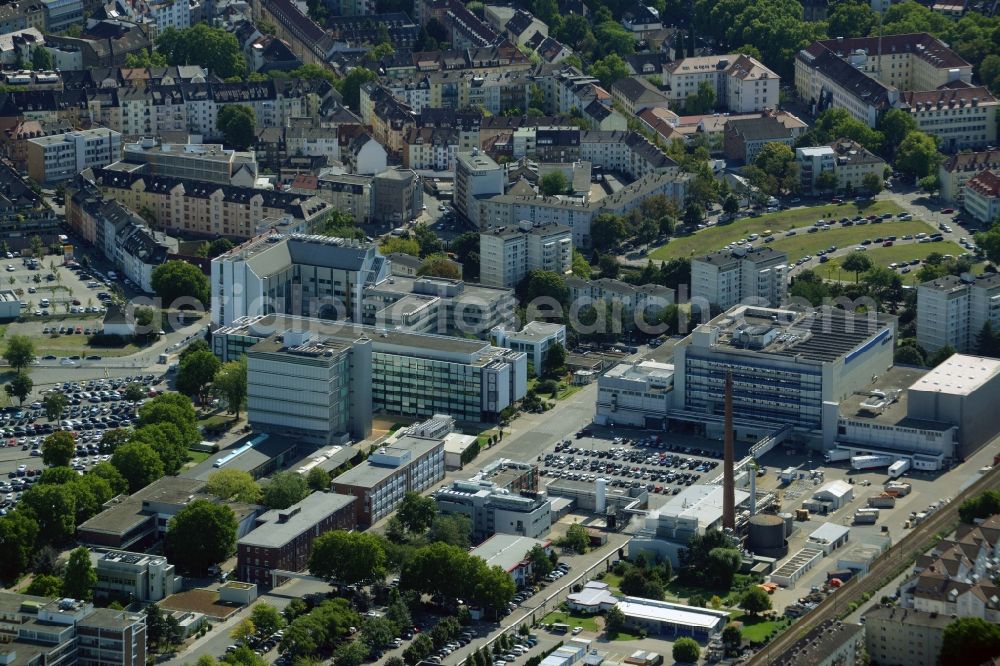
{"points": [[717, 237], [756, 629], [883, 256], [196, 457], [588, 622], [805, 243], [625, 636], [613, 580]]}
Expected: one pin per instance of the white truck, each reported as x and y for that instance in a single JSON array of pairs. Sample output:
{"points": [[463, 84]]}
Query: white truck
{"points": [[898, 468], [835, 455], [871, 462]]}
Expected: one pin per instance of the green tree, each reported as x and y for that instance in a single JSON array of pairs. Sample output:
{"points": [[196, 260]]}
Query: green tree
{"points": [[176, 282], [857, 263], [54, 403], [138, 464], [940, 356], [755, 601], [930, 183], [46, 586], [243, 631], [609, 69], [541, 565], [576, 539], [230, 383], [614, 620], [732, 637], [378, 632], [969, 640], [416, 512], [581, 267], [826, 181], [872, 182], [465, 247], [201, 534], [774, 169], [79, 578], [851, 19], [607, 231], [989, 242], [41, 59], [285, 489], [233, 485], [20, 352], [166, 441], [318, 479], [909, 355], [394, 244], [918, 155], [18, 531], [267, 619], [116, 482], [112, 439], [452, 528], [54, 510], [555, 360], [730, 206], [439, 265], [238, 124], [219, 246], [701, 101], [553, 183], [543, 284], [173, 409], [213, 48], [58, 449], [686, 651], [348, 557], [19, 387], [895, 125], [350, 86], [983, 505]]}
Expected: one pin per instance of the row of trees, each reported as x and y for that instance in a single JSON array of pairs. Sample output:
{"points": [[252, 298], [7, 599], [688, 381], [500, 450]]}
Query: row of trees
{"points": [[200, 374]]}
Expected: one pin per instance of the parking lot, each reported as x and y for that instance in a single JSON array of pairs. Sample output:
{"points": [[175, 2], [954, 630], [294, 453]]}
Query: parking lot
{"points": [[661, 466], [92, 408]]}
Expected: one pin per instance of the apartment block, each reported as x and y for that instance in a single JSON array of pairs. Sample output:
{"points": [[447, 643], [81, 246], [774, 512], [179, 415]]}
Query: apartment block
{"points": [[758, 275], [397, 196], [431, 148], [412, 374], [492, 510], [507, 255], [348, 193], [59, 157], [952, 310], [315, 390], [576, 213], [121, 234], [741, 83], [535, 340], [904, 636], [955, 171], [981, 197], [210, 163], [848, 160], [916, 72], [282, 538], [198, 207], [60, 14], [743, 139], [408, 464], [637, 303], [477, 177], [134, 576]]}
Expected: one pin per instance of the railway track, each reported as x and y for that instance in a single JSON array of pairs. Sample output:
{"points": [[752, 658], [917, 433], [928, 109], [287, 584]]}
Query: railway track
{"points": [[888, 564]]}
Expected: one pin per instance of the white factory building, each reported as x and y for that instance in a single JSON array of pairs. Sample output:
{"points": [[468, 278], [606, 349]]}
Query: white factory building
{"points": [[635, 394]]}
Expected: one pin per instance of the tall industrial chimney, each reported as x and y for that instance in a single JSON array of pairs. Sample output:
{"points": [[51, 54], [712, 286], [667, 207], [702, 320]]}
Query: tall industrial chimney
{"points": [[728, 480]]}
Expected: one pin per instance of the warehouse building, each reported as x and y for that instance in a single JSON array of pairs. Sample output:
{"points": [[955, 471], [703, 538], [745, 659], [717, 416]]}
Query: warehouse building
{"points": [[662, 618], [510, 553]]}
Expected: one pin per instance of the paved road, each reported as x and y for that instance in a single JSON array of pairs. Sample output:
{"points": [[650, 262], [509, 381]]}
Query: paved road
{"points": [[917, 541]]}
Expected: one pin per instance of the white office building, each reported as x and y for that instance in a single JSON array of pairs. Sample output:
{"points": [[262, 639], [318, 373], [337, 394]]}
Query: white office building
{"points": [[757, 275], [60, 157], [493, 510], [635, 395], [297, 274], [477, 177], [134, 576], [508, 254], [789, 368], [953, 310], [535, 340], [412, 374]]}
